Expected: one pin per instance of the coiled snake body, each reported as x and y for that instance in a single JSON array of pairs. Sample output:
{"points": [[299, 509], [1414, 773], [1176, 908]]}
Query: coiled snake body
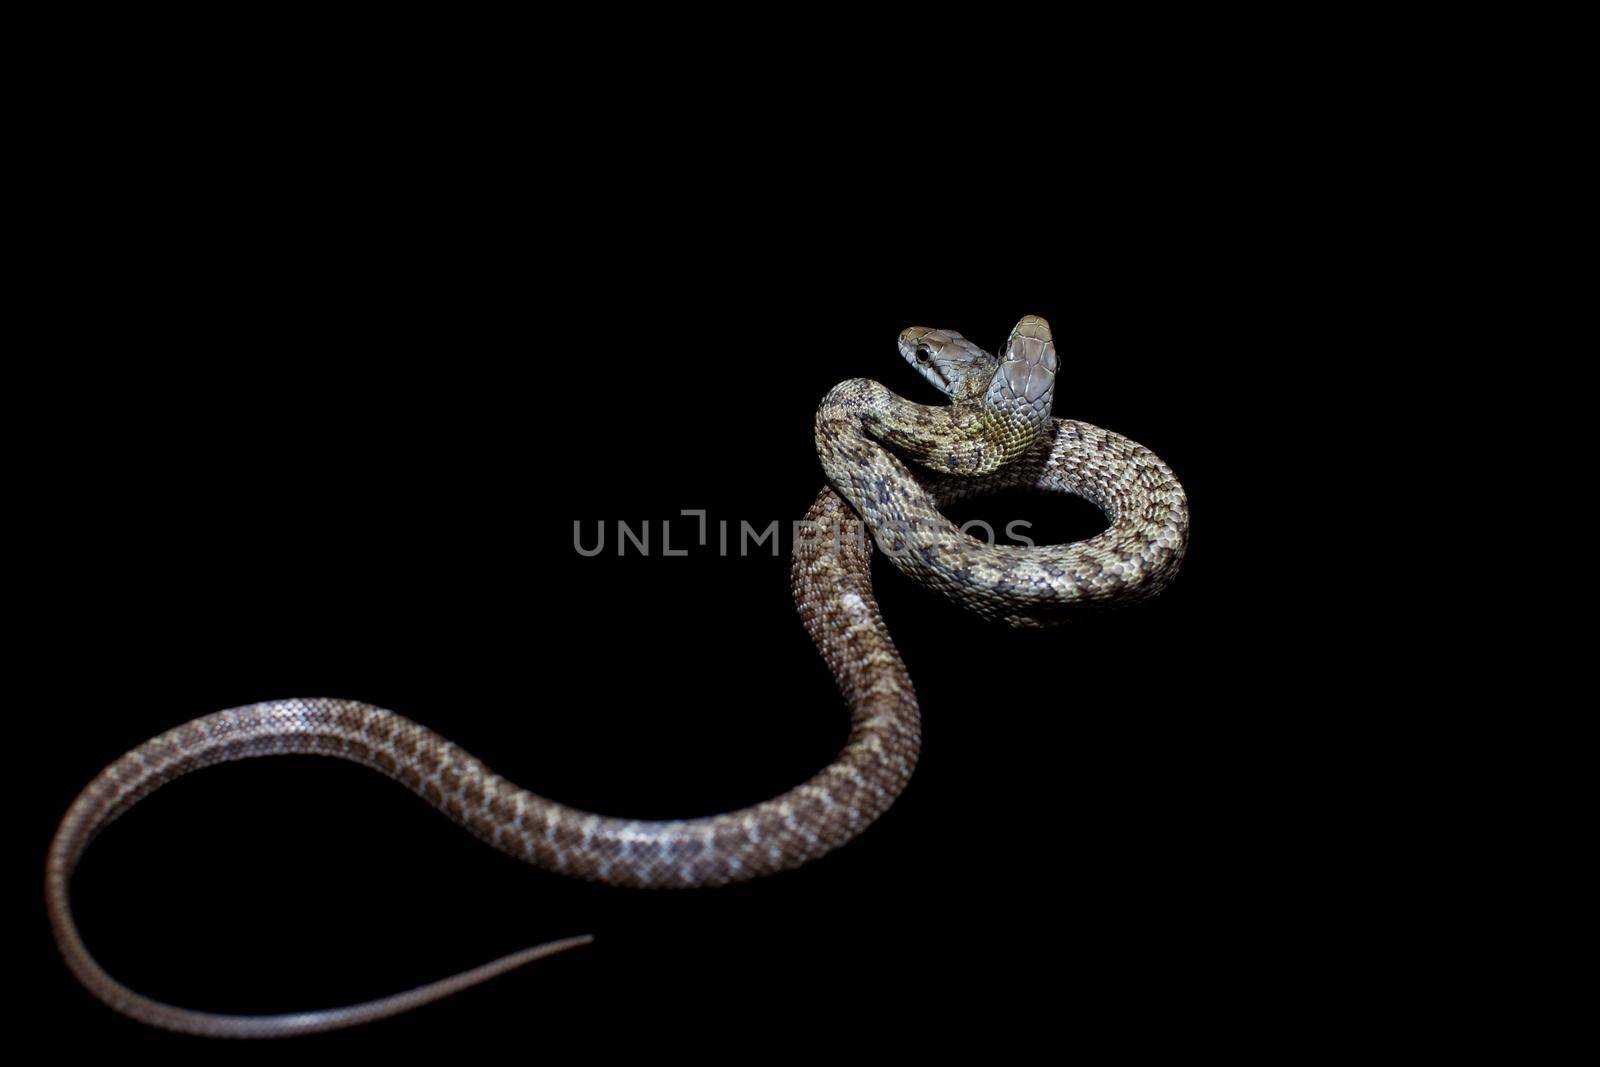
{"points": [[996, 434]]}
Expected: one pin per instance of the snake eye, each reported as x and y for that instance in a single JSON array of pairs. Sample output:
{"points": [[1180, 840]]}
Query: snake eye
{"points": [[923, 355]]}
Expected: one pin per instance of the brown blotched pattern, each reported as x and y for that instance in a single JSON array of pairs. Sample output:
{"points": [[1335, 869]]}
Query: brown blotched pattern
{"points": [[986, 429], [1136, 556]]}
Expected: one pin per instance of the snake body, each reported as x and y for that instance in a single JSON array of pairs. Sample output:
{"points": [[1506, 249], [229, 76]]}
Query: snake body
{"points": [[996, 433]]}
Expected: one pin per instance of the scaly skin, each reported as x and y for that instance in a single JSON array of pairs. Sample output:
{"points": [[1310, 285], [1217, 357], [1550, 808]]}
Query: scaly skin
{"points": [[997, 434]]}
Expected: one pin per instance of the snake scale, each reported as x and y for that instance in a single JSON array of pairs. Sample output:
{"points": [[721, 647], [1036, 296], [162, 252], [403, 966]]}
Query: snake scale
{"points": [[996, 433]]}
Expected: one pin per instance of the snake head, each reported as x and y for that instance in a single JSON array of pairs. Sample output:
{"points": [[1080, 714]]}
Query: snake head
{"points": [[1025, 385], [952, 364]]}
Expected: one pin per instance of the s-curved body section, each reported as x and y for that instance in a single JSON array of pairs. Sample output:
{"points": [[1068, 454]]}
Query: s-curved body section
{"points": [[786, 831]]}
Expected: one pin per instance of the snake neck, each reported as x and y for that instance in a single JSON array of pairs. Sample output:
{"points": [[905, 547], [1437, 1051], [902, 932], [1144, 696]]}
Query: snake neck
{"points": [[969, 439]]}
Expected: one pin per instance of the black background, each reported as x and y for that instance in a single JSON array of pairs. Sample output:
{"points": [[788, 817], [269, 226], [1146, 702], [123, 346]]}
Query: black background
{"points": [[327, 432]]}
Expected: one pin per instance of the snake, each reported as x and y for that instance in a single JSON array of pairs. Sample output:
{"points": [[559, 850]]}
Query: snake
{"points": [[892, 466]]}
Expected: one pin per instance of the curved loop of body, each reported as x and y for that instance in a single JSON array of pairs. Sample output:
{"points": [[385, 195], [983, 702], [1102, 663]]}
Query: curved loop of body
{"points": [[996, 434]]}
